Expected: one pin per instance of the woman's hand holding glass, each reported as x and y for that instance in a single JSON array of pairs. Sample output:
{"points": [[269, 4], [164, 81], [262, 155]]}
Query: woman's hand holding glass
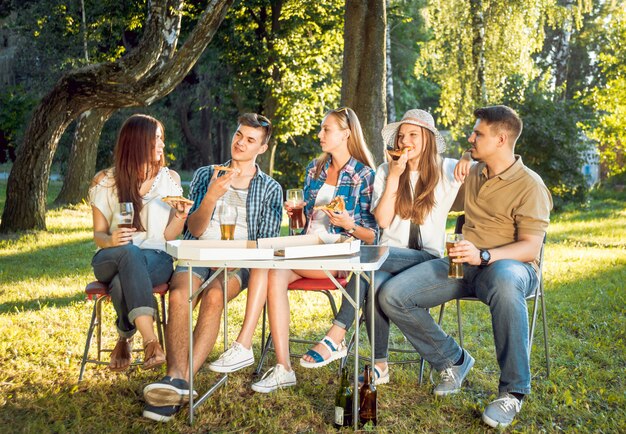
{"points": [[124, 233]]}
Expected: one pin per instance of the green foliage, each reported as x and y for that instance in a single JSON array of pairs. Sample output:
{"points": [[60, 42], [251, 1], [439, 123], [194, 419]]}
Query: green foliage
{"points": [[16, 105], [552, 142], [609, 99], [512, 32], [408, 30]]}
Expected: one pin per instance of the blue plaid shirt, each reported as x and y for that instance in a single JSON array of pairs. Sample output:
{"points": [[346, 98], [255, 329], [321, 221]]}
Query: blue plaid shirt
{"points": [[355, 185], [264, 206]]}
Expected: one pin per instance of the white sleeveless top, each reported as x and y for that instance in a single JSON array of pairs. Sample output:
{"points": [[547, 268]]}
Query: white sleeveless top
{"points": [[433, 229], [154, 214]]}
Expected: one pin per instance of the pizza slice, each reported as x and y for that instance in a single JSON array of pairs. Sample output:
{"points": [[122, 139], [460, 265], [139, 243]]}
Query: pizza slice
{"points": [[396, 153], [173, 200], [226, 169], [335, 205]]}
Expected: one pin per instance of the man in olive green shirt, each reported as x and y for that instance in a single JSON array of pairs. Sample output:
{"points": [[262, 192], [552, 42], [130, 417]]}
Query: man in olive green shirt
{"points": [[507, 211]]}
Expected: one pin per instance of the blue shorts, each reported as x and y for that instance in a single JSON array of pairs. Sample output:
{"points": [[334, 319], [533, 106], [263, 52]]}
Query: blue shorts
{"points": [[203, 273]]}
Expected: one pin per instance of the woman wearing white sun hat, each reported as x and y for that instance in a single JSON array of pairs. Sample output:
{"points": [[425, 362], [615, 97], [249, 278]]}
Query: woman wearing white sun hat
{"points": [[412, 197]]}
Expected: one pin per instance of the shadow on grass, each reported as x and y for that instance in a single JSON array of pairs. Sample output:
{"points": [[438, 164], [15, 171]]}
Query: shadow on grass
{"points": [[53, 262], [39, 303]]}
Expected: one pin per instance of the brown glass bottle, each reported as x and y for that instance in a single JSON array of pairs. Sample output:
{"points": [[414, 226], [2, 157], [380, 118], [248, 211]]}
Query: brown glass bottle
{"points": [[343, 402], [367, 398]]}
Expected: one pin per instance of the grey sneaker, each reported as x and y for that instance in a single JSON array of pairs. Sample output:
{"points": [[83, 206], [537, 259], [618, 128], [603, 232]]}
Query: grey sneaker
{"points": [[234, 359], [502, 411], [452, 377], [277, 377], [167, 392]]}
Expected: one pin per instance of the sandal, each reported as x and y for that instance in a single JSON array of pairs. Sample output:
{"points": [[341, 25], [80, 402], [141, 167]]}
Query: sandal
{"points": [[154, 356], [337, 351], [121, 355]]}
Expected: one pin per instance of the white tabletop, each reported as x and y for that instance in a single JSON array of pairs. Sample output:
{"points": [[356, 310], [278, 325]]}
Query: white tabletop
{"points": [[370, 258]]}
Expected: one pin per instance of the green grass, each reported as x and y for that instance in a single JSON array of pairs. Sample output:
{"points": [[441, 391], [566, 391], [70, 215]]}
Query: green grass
{"points": [[44, 318]]}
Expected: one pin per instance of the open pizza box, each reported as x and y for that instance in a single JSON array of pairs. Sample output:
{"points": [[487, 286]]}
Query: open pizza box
{"points": [[312, 245], [217, 249]]}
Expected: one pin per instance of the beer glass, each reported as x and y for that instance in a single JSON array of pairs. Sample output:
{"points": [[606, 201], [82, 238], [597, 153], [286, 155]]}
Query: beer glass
{"points": [[295, 200], [455, 270], [228, 221], [125, 215]]}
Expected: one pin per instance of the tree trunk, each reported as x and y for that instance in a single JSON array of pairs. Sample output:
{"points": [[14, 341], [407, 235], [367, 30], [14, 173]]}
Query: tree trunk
{"points": [[82, 163], [363, 77], [391, 105], [478, 51], [147, 73]]}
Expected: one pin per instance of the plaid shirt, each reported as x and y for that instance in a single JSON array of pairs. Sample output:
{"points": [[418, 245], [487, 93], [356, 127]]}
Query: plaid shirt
{"points": [[355, 184], [264, 206]]}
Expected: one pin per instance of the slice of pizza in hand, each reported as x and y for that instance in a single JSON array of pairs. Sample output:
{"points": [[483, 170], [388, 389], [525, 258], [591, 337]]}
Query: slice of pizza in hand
{"points": [[336, 205], [226, 169], [396, 153], [173, 200]]}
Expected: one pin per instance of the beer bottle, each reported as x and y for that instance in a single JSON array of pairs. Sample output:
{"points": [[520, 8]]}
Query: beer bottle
{"points": [[367, 395], [343, 402]]}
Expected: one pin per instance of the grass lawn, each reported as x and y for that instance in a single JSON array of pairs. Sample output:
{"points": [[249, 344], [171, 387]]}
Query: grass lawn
{"points": [[44, 318]]}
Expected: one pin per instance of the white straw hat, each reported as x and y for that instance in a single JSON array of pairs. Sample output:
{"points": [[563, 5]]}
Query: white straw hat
{"points": [[417, 117]]}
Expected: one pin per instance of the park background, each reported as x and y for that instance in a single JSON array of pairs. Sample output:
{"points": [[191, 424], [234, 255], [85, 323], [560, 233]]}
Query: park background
{"points": [[72, 71]]}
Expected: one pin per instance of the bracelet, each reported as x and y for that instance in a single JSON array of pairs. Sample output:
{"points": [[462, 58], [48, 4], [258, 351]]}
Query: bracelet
{"points": [[180, 218]]}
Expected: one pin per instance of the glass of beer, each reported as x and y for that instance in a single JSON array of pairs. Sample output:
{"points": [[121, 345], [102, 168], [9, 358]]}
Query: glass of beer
{"points": [[295, 200], [125, 215], [228, 221], [455, 270]]}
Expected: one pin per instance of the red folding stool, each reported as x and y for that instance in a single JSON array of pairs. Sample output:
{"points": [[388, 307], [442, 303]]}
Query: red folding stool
{"points": [[324, 286], [99, 292]]}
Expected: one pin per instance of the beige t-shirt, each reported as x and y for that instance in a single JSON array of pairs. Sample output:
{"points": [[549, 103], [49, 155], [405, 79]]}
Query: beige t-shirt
{"points": [[499, 209]]}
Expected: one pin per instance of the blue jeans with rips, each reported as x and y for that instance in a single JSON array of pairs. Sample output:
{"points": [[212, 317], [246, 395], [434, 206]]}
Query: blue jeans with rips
{"points": [[399, 260], [503, 286], [131, 273]]}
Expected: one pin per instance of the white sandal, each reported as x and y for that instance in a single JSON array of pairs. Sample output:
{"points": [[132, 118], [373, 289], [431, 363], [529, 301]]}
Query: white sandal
{"points": [[337, 351]]}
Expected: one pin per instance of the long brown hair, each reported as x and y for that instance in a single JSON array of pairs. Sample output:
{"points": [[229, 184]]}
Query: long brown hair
{"points": [[348, 120], [417, 206], [134, 163]]}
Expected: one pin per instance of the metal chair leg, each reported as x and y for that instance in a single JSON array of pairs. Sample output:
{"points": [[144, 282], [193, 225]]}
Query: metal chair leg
{"points": [[92, 326]]}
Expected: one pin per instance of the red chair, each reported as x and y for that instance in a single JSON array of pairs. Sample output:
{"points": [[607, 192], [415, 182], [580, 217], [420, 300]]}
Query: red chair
{"points": [[99, 292], [324, 286]]}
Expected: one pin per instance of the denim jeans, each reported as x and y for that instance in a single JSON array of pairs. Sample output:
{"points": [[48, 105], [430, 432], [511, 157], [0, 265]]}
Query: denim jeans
{"points": [[131, 273], [503, 286], [399, 260]]}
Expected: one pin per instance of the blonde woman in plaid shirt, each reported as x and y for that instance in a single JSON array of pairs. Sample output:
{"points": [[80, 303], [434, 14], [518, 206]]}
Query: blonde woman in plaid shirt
{"points": [[344, 169]]}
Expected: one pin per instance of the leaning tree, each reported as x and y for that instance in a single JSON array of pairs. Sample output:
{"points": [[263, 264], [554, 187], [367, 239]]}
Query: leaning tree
{"points": [[148, 72]]}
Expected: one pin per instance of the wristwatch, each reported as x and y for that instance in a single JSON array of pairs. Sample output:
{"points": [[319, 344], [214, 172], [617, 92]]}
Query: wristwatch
{"points": [[485, 257], [351, 231]]}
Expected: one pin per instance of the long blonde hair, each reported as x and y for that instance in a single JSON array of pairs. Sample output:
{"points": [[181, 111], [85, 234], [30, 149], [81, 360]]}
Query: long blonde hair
{"points": [[416, 206], [348, 120]]}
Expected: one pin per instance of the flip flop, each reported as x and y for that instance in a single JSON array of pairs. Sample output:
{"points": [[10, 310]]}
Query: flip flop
{"points": [[337, 351], [123, 344]]}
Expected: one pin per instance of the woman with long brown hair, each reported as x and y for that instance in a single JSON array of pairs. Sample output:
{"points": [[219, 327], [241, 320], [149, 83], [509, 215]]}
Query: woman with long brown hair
{"points": [[132, 259], [344, 169], [413, 193]]}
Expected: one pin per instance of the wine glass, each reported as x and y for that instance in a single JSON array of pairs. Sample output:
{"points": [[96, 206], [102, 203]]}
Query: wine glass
{"points": [[228, 221]]}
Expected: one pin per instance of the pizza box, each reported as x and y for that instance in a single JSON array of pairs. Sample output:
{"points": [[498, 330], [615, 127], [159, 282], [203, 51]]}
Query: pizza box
{"points": [[217, 249], [311, 245]]}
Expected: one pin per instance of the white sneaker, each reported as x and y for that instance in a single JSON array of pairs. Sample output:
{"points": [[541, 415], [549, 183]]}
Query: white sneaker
{"points": [[277, 377], [234, 359]]}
